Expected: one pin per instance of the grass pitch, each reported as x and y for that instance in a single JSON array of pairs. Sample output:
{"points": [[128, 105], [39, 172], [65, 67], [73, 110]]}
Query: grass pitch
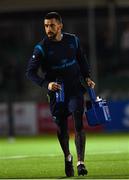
{"points": [[107, 156]]}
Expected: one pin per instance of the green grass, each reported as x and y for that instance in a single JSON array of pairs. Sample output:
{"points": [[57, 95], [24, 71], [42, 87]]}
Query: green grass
{"points": [[107, 156]]}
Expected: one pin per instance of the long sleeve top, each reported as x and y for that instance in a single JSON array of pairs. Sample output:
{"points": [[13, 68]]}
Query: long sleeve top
{"points": [[63, 59]]}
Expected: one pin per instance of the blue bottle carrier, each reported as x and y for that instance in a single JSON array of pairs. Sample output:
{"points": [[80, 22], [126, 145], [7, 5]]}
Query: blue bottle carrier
{"points": [[97, 110]]}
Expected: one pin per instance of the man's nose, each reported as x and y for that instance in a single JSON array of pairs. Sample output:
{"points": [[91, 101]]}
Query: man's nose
{"points": [[49, 28]]}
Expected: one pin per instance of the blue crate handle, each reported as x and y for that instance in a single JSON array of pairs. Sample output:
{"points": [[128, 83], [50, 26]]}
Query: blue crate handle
{"points": [[91, 93]]}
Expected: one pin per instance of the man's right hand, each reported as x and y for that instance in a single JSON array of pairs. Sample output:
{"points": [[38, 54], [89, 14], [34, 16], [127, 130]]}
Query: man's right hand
{"points": [[53, 86], [90, 83]]}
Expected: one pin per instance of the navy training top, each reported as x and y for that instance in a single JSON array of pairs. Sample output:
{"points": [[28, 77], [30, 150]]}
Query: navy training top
{"points": [[58, 59]]}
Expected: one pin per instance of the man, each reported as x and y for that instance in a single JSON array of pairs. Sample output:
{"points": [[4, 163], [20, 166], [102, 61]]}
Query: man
{"points": [[60, 56]]}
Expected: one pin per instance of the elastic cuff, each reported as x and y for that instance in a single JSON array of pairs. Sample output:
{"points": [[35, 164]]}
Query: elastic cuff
{"points": [[45, 84]]}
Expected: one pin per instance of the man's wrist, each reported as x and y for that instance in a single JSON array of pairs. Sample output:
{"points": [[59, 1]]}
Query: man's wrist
{"points": [[87, 78]]}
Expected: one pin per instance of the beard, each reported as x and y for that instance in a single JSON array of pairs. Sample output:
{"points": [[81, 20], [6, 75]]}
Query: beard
{"points": [[51, 36]]}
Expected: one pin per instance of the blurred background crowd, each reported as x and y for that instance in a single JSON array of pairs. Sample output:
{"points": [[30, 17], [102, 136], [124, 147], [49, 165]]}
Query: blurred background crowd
{"points": [[102, 26]]}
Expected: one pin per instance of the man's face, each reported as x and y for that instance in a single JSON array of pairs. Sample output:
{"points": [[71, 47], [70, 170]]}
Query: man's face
{"points": [[52, 28]]}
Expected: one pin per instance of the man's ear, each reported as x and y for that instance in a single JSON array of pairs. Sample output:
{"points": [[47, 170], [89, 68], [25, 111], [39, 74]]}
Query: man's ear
{"points": [[61, 25]]}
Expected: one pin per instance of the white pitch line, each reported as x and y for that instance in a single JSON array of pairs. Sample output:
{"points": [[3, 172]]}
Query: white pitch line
{"points": [[55, 155], [27, 156]]}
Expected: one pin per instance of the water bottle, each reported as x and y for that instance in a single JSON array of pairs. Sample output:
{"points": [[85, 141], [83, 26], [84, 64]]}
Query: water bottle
{"points": [[60, 92]]}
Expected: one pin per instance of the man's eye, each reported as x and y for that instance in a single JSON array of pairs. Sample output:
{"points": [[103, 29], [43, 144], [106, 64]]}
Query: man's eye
{"points": [[51, 26]]}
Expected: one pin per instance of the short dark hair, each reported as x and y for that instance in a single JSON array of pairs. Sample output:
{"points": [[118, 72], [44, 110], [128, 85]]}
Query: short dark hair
{"points": [[52, 15]]}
